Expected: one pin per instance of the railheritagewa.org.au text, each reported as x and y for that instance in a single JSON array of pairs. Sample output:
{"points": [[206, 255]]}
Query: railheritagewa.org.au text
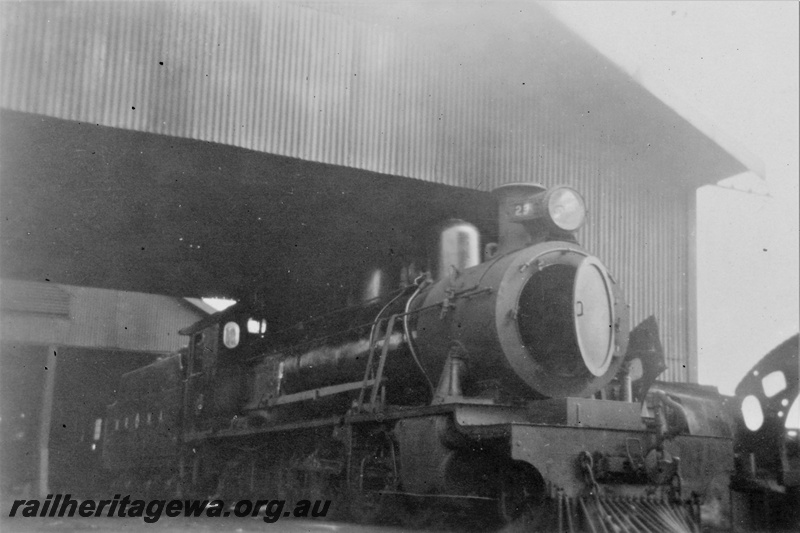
{"points": [[63, 505]]}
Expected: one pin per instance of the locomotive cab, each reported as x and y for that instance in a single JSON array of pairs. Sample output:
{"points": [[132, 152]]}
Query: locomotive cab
{"points": [[220, 349]]}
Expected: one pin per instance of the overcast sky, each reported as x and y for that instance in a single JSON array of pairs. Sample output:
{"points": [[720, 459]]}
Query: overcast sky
{"points": [[735, 63]]}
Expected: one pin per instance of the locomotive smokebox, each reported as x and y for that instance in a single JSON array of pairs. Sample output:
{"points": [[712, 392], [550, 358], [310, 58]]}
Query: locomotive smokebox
{"points": [[542, 317]]}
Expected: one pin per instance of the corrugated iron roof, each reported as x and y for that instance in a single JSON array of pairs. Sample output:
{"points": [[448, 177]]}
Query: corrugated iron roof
{"points": [[95, 318], [475, 96], [37, 298]]}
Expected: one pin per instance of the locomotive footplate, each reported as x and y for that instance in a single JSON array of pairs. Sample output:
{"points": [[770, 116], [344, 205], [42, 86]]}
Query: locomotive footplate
{"points": [[600, 463], [574, 412], [585, 447]]}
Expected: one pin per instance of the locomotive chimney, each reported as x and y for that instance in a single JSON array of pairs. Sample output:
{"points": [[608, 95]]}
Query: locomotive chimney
{"points": [[514, 235]]}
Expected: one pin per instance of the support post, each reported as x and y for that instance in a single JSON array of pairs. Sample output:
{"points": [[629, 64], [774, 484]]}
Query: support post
{"points": [[692, 303], [45, 419]]}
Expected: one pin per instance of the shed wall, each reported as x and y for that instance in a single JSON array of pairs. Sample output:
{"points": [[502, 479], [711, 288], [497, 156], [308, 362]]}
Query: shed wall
{"points": [[320, 85]]}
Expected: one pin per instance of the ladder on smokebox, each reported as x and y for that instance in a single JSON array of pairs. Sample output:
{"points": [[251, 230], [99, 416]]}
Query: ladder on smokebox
{"points": [[377, 381]]}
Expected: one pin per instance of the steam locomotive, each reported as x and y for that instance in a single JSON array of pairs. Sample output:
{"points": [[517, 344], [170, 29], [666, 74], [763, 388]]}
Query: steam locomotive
{"points": [[511, 384]]}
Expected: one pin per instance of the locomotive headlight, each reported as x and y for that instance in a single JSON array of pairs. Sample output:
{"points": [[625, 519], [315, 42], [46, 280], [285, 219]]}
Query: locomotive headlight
{"points": [[561, 207], [566, 208]]}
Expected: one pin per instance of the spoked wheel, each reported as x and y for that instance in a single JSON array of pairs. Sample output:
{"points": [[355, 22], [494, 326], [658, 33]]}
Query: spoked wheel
{"points": [[318, 486], [367, 507], [290, 483], [416, 514], [373, 474]]}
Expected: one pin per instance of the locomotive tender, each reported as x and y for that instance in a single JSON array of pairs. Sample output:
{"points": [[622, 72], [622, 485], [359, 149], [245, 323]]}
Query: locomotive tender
{"points": [[512, 383]]}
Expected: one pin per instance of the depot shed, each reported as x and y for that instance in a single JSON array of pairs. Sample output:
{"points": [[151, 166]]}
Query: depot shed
{"points": [[193, 149], [62, 351]]}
